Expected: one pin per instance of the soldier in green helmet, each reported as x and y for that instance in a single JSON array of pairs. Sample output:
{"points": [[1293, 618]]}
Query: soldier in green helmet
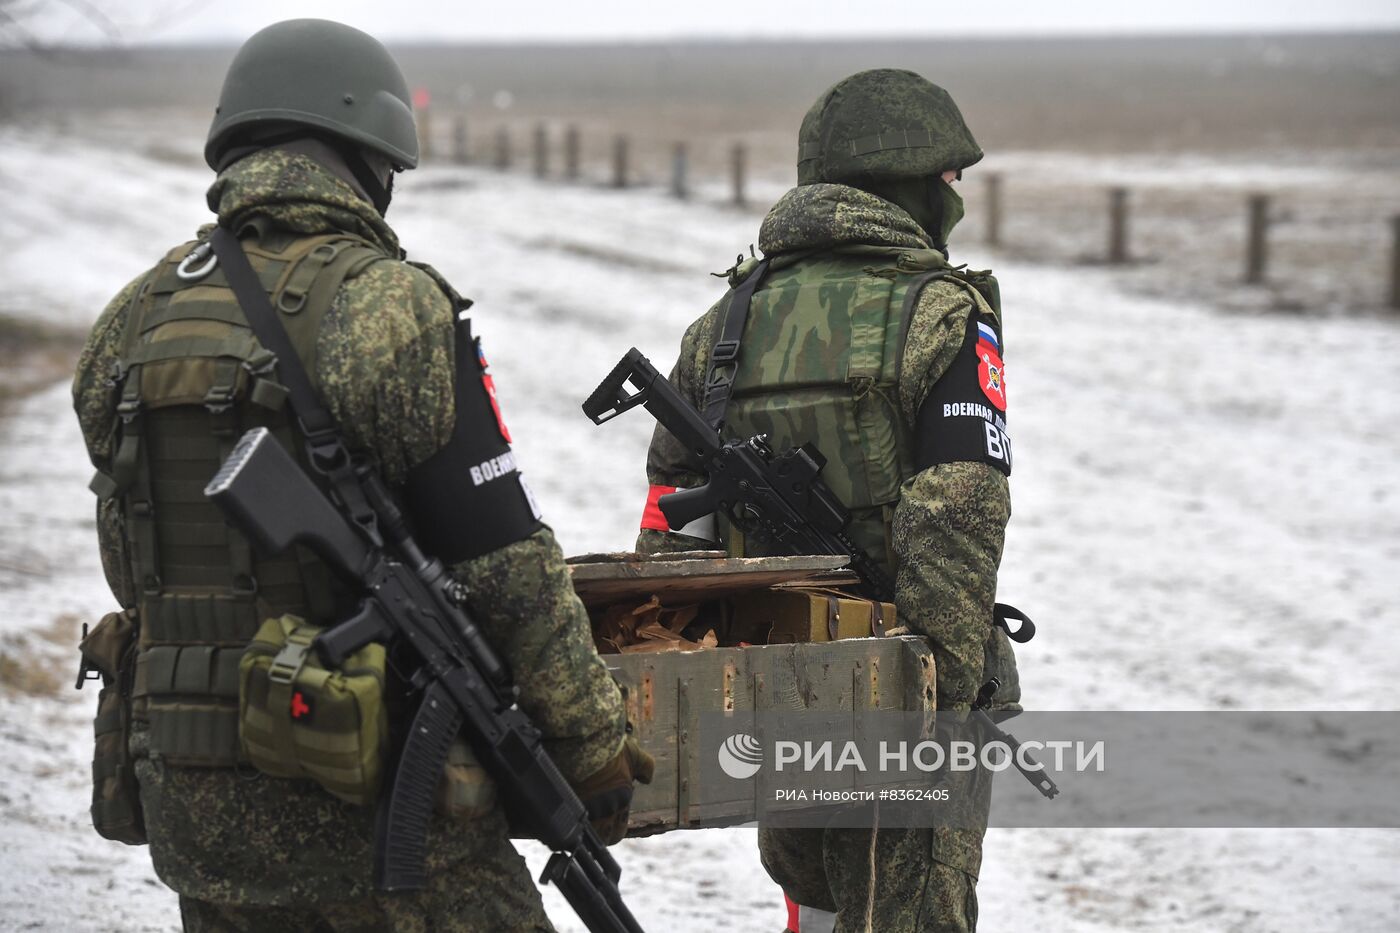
{"points": [[854, 332], [314, 121]]}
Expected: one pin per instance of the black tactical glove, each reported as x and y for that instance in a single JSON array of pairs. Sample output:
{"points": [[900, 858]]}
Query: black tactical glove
{"points": [[607, 793]]}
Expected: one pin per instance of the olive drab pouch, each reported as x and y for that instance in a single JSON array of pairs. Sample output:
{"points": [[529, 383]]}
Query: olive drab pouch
{"points": [[296, 719], [109, 651]]}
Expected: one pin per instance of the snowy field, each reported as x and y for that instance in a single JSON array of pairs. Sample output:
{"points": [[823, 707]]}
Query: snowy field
{"points": [[1207, 516]]}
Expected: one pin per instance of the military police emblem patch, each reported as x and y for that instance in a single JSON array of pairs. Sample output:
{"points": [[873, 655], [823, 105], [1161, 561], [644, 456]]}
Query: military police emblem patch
{"points": [[490, 385], [960, 422], [991, 374]]}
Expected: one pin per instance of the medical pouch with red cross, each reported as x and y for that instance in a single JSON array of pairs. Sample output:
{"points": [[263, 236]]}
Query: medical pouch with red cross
{"points": [[299, 720]]}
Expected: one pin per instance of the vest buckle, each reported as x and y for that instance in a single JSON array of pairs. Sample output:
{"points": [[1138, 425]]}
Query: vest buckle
{"points": [[262, 362], [725, 351], [288, 662], [219, 399]]}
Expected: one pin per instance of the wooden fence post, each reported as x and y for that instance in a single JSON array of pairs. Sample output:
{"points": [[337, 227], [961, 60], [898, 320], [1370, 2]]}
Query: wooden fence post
{"points": [[678, 172], [1118, 225], [503, 149], [994, 209], [1256, 254], [1395, 263], [571, 153], [541, 151], [460, 154], [738, 164], [620, 162]]}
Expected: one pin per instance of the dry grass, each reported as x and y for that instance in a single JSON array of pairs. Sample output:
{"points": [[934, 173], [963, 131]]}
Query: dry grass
{"points": [[33, 355], [31, 676]]}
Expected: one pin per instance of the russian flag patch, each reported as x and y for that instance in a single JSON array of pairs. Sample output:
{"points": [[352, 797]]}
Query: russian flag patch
{"points": [[985, 334]]}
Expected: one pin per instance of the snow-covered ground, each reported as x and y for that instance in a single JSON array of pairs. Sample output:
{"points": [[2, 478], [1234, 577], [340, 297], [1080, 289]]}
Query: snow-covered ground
{"points": [[1207, 516]]}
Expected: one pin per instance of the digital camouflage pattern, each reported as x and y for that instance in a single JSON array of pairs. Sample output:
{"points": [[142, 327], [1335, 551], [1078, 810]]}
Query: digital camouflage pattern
{"points": [[826, 217], [829, 869], [384, 366], [946, 523], [241, 845], [885, 123]]}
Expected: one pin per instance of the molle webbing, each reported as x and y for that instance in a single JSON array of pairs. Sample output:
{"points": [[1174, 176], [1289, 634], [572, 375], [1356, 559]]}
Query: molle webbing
{"points": [[191, 379], [191, 699]]}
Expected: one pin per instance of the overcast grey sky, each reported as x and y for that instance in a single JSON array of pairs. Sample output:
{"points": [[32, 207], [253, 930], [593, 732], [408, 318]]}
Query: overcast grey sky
{"points": [[582, 20]]}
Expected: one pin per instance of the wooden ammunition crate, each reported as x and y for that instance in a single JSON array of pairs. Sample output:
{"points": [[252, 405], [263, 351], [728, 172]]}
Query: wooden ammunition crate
{"points": [[799, 614], [667, 691], [785, 599]]}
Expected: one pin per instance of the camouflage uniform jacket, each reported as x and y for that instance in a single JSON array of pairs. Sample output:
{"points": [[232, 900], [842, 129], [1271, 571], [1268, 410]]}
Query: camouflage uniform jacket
{"points": [[949, 521], [385, 368]]}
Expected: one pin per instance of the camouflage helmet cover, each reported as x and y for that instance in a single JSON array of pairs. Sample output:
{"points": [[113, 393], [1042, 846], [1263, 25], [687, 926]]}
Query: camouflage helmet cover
{"points": [[884, 123], [318, 74]]}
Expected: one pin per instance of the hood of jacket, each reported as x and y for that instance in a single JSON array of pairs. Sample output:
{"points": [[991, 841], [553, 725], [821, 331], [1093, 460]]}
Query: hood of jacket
{"points": [[295, 192], [823, 216]]}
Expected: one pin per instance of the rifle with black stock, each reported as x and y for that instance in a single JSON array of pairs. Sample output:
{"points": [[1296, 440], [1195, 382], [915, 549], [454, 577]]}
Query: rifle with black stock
{"points": [[779, 499], [411, 600], [776, 499]]}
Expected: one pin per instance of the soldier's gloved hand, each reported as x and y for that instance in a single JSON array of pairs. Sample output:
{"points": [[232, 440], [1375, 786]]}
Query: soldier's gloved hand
{"points": [[607, 793]]}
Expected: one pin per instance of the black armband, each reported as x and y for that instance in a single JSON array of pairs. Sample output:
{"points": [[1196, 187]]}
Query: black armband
{"points": [[468, 499], [963, 419]]}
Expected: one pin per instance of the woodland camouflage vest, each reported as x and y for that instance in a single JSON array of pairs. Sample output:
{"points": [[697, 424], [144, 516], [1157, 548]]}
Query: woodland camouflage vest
{"points": [[819, 362], [191, 379]]}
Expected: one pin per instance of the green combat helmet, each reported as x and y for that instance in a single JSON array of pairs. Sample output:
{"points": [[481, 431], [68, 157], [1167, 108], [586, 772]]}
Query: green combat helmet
{"points": [[313, 73], [885, 123]]}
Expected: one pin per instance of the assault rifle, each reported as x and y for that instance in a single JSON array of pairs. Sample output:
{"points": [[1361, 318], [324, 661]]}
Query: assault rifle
{"points": [[777, 499], [410, 599]]}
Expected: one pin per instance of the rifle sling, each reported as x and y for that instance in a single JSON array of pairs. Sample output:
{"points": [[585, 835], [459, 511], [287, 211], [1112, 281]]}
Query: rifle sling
{"points": [[324, 444], [724, 355]]}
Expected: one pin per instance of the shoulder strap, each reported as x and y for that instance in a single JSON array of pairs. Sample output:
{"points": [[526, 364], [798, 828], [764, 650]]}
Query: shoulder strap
{"points": [[724, 355], [323, 439], [980, 305], [911, 303]]}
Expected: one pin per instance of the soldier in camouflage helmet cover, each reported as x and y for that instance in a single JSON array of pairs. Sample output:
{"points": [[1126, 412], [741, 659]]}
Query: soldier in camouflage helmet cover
{"points": [[314, 119], [864, 340]]}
